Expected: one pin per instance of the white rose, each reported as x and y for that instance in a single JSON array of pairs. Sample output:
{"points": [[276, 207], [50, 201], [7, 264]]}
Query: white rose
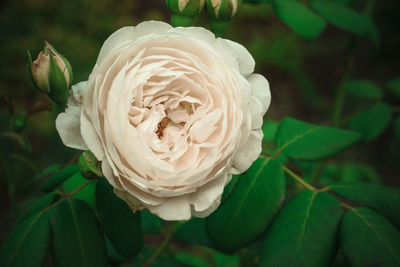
{"points": [[171, 113]]}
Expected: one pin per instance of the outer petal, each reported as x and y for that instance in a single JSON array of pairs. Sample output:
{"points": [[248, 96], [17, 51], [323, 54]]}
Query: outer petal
{"points": [[248, 153], [209, 193], [130, 33], [261, 92], [173, 209], [198, 33], [68, 122], [240, 53], [91, 138]]}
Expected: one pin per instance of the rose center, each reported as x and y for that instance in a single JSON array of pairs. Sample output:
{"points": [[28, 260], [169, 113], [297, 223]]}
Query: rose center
{"points": [[161, 127]]}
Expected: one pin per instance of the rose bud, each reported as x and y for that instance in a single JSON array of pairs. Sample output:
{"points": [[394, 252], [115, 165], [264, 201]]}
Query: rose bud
{"points": [[221, 12], [51, 73], [184, 11]]}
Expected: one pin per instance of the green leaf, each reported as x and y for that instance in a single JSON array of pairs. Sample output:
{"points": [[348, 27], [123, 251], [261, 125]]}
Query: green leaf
{"points": [[304, 233], [269, 130], [255, 200], [372, 122], [27, 243], [224, 260], [364, 89], [114, 257], [37, 206], [151, 223], [86, 194], [306, 141], [343, 17], [300, 18], [382, 198], [193, 232], [191, 260], [229, 187], [77, 239], [368, 239], [359, 173], [394, 86], [57, 179], [119, 222]]}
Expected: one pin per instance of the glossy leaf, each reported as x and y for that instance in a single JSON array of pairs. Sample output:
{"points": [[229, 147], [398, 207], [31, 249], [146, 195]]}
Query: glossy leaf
{"points": [[382, 198], [77, 239], [364, 89], [255, 200], [269, 129], [304, 233], [86, 194], [306, 141], [37, 206], [372, 122], [343, 17], [119, 222], [368, 239], [193, 232], [27, 243], [229, 187], [114, 257], [300, 18], [394, 86], [57, 179], [151, 223]]}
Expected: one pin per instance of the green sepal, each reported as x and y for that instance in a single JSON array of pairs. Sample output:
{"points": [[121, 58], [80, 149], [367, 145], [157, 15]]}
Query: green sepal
{"points": [[218, 27], [225, 11], [66, 62], [89, 166], [192, 8], [57, 83], [181, 20]]}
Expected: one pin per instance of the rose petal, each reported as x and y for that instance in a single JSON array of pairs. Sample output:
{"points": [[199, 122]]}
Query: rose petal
{"points": [[240, 53], [174, 209], [248, 153], [68, 122]]}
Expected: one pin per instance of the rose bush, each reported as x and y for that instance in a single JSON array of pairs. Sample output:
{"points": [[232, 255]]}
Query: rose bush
{"points": [[171, 113]]}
